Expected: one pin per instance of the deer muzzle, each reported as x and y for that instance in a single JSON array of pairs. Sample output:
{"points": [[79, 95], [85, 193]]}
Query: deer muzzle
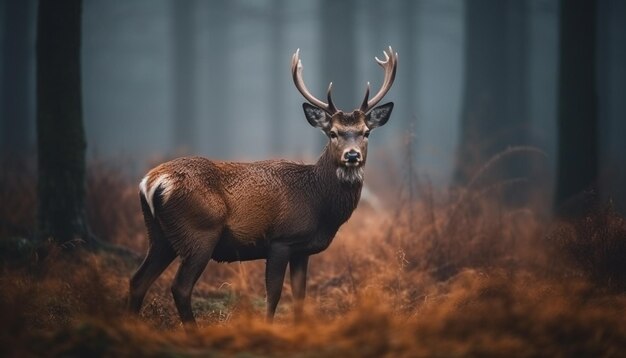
{"points": [[352, 158]]}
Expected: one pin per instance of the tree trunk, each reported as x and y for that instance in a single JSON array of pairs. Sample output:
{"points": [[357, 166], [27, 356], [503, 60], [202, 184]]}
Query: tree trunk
{"points": [[409, 90], [495, 102], [278, 133], [15, 122], [611, 64], [577, 109], [60, 132], [409, 44], [219, 21], [184, 116], [338, 48]]}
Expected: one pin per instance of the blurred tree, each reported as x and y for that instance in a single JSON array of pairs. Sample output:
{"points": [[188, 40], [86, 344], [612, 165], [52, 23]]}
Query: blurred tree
{"points": [[277, 128], [184, 74], [408, 48], [577, 109], [495, 91], [219, 18], [15, 126], [338, 49], [611, 65], [60, 132], [374, 15]]}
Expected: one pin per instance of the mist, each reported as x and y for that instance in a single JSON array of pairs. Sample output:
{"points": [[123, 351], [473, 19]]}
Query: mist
{"points": [[168, 78]]}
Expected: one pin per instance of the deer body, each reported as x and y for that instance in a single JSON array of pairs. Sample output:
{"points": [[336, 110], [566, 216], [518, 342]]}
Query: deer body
{"points": [[251, 204], [276, 210]]}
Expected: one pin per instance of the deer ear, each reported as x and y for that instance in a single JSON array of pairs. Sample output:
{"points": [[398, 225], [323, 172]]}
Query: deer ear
{"points": [[316, 117], [379, 116]]}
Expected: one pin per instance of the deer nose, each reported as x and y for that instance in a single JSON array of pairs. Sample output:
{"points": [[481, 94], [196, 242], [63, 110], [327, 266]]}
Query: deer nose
{"points": [[352, 156]]}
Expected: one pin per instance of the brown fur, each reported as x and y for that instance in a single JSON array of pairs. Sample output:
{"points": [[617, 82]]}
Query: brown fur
{"points": [[252, 204]]}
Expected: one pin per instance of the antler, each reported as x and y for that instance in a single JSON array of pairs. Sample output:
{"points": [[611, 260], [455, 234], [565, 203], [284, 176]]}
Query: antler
{"points": [[296, 71], [389, 65]]}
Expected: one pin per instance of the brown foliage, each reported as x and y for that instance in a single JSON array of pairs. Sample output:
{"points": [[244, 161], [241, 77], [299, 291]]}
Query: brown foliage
{"points": [[452, 274], [113, 209], [17, 196], [595, 247]]}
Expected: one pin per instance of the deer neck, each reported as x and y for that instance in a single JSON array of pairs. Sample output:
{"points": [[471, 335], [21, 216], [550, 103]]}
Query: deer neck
{"points": [[338, 191]]}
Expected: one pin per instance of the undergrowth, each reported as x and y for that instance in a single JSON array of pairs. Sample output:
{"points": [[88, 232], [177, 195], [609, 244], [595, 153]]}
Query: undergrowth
{"points": [[455, 273]]}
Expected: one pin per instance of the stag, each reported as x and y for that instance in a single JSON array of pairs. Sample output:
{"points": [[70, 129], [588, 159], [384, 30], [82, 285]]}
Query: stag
{"points": [[281, 211]]}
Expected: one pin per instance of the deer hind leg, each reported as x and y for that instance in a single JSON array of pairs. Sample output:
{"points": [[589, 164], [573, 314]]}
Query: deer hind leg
{"points": [[193, 263], [160, 255]]}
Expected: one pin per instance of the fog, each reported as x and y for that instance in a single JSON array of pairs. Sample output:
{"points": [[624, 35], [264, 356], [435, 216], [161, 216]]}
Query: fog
{"points": [[163, 78]]}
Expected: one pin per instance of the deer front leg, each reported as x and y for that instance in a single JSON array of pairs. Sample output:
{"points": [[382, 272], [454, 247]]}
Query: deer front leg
{"points": [[275, 268], [297, 269]]}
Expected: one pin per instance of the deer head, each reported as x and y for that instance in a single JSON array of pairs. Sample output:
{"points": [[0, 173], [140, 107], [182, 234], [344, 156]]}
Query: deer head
{"points": [[348, 132]]}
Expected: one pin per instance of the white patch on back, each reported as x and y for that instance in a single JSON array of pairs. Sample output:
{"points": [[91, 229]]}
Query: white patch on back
{"points": [[163, 181]]}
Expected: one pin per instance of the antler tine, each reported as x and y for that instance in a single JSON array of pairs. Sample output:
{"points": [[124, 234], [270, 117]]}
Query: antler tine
{"points": [[367, 95], [331, 105], [296, 71], [389, 65]]}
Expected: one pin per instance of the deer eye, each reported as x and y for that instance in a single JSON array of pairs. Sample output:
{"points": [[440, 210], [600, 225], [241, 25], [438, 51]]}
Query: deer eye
{"points": [[366, 134], [333, 134]]}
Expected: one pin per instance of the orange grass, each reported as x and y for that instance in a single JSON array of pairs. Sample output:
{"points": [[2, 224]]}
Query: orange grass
{"points": [[451, 274]]}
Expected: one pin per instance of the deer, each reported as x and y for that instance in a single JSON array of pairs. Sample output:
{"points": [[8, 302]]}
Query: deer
{"points": [[281, 211]]}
